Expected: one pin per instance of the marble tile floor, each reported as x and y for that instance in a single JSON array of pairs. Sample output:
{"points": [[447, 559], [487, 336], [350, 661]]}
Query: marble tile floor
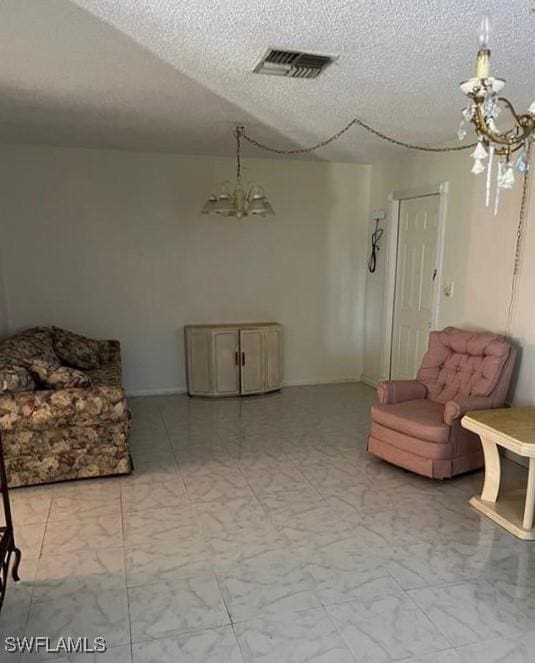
{"points": [[260, 531]]}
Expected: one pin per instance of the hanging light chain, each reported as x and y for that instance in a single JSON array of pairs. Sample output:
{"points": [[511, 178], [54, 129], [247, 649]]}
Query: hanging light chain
{"points": [[238, 133], [518, 241], [354, 122]]}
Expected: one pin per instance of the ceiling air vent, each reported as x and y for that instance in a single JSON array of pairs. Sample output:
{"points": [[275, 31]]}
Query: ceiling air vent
{"points": [[293, 64]]}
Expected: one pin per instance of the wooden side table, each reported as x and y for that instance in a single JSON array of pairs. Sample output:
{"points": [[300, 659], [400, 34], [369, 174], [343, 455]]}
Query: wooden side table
{"points": [[513, 429]]}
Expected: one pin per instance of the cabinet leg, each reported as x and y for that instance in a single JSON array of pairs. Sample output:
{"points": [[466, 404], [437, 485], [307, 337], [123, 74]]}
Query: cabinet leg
{"points": [[491, 485], [530, 496]]}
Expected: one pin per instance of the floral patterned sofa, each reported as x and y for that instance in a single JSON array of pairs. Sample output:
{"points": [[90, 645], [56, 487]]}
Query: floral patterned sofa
{"points": [[63, 411]]}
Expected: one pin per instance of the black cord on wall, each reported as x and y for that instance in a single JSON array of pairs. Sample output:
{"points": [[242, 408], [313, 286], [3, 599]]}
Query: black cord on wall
{"points": [[376, 237]]}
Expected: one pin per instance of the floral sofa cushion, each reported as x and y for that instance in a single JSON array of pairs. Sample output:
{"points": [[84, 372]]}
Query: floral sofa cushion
{"points": [[62, 377], [22, 349], [15, 378], [76, 350]]}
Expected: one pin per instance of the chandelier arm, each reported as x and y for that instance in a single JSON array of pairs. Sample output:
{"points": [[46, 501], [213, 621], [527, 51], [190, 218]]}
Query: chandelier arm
{"points": [[508, 143]]}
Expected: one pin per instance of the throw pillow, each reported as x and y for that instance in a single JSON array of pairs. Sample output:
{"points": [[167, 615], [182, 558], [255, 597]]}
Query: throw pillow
{"points": [[62, 377], [15, 378], [76, 350]]}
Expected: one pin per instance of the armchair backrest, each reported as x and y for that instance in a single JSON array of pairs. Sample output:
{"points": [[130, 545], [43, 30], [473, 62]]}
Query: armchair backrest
{"points": [[464, 363]]}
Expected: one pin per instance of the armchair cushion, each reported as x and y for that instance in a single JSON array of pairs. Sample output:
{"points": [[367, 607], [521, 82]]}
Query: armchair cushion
{"points": [[457, 408], [62, 377], [41, 410], [76, 350], [398, 391], [462, 363], [422, 418]]}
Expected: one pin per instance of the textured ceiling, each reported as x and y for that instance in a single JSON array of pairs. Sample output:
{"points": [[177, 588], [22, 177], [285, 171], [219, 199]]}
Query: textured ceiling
{"points": [[176, 75]]}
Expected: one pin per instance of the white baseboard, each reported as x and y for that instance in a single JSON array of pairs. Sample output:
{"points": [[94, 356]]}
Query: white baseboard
{"points": [[311, 382], [371, 382], [169, 391], [291, 383]]}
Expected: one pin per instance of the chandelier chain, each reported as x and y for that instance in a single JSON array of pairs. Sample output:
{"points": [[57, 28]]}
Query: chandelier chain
{"points": [[354, 122], [518, 241], [238, 133]]}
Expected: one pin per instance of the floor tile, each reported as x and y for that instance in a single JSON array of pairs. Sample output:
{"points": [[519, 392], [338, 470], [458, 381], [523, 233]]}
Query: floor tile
{"points": [[75, 534], [218, 486], [469, 612], [217, 645], [302, 637], [29, 538], [113, 655], [247, 546], [181, 558], [139, 496], [385, 629], [173, 607], [79, 572], [30, 506], [87, 614], [267, 589], [502, 650], [233, 515], [351, 578], [83, 505], [162, 525], [273, 478]]}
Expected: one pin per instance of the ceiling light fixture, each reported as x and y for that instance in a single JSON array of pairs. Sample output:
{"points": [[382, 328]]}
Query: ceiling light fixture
{"points": [[483, 110], [235, 201]]}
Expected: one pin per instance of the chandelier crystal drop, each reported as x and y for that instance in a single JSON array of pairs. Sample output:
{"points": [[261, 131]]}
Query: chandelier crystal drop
{"points": [[484, 107], [235, 200]]}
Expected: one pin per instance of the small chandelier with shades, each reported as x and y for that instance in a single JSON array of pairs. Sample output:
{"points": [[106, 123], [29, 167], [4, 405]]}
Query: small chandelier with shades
{"points": [[235, 200], [483, 111]]}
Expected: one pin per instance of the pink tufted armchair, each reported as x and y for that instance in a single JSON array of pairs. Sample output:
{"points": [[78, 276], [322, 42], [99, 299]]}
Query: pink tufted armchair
{"points": [[417, 423]]}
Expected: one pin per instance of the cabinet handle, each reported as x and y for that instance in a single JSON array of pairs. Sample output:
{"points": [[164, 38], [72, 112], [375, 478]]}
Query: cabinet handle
{"points": [[236, 358], [243, 358]]}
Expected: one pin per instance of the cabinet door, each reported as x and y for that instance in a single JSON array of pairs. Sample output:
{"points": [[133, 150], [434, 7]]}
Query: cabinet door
{"points": [[252, 361], [226, 370], [273, 358], [198, 345]]}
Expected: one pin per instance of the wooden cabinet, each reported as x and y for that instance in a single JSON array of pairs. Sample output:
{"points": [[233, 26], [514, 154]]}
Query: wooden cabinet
{"points": [[228, 360]]}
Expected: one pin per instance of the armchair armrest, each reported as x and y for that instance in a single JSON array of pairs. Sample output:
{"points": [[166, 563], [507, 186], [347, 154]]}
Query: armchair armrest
{"points": [[109, 352], [42, 410], [457, 408], [398, 391]]}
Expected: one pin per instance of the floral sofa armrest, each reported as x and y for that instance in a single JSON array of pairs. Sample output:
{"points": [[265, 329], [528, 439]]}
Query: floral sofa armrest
{"points": [[457, 408], [110, 352], [43, 410], [398, 391]]}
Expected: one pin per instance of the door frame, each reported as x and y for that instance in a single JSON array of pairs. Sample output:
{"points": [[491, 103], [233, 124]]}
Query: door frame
{"points": [[394, 203]]}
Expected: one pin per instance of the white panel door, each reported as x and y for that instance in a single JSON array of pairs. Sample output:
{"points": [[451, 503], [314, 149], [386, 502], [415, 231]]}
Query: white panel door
{"points": [[416, 277], [252, 361], [226, 368], [273, 359]]}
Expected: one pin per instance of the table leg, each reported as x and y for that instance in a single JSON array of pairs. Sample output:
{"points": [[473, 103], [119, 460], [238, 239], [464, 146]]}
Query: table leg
{"points": [[530, 496], [491, 485]]}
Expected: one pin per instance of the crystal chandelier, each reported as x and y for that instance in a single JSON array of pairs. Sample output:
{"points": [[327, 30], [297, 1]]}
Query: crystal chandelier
{"points": [[495, 147], [234, 200]]}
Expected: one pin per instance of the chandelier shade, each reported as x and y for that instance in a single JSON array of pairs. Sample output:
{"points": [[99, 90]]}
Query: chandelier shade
{"points": [[234, 200]]}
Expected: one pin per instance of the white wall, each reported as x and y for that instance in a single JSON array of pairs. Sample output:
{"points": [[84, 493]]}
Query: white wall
{"points": [[478, 257], [112, 244]]}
